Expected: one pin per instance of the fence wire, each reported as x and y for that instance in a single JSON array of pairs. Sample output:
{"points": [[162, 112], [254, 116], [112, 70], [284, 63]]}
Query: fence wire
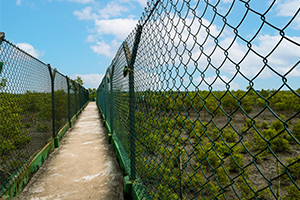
{"points": [[203, 100], [26, 118]]}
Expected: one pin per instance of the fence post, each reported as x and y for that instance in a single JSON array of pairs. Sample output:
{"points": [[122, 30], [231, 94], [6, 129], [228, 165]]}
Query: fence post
{"points": [[2, 36], [132, 101], [75, 90], [80, 97], [69, 105], [52, 76], [111, 105]]}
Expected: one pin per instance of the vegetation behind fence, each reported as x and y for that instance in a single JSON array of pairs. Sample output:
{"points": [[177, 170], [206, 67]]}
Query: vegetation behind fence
{"points": [[202, 100], [36, 101]]}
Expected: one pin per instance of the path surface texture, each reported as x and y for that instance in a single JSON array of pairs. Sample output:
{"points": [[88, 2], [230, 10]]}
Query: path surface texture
{"points": [[82, 167]]}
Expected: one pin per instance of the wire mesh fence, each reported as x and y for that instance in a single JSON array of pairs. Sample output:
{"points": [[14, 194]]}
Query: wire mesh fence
{"points": [[26, 108], [203, 100]]}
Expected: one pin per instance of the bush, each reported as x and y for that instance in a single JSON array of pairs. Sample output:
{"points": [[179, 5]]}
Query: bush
{"points": [[277, 144], [265, 125], [42, 127], [277, 124], [13, 134], [236, 161], [294, 169], [293, 193], [296, 130], [229, 135]]}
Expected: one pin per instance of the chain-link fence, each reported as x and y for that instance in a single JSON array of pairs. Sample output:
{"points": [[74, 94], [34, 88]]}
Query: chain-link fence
{"points": [[27, 101], [203, 100]]}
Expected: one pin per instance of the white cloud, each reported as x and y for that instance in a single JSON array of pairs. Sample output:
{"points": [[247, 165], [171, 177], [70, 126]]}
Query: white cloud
{"points": [[89, 80], [19, 2], [227, 1], [103, 48], [85, 14], [288, 8], [30, 49], [91, 38], [118, 27], [81, 1], [143, 3], [112, 9]]}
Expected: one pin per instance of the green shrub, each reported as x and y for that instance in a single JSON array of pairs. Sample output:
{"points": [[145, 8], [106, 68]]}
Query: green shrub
{"points": [[277, 124], [278, 144], [246, 188], [13, 134], [296, 130], [294, 169], [236, 161], [199, 129], [42, 127], [293, 192], [265, 125], [221, 176], [27, 125], [229, 135]]}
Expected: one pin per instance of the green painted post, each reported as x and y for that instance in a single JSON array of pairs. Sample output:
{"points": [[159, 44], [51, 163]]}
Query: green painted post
{"points": [[2, 36], [75, 90], [69, 105], [111, 105], [132, 100], [52, 76], [80, 97]]}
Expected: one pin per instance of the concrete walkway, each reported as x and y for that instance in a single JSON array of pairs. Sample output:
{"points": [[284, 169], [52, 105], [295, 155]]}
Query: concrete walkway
{"points": [[83, 167]]}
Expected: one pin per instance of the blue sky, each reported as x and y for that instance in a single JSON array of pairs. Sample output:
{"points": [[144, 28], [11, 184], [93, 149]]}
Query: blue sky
{"points": [[62, 33], [81, 37]]}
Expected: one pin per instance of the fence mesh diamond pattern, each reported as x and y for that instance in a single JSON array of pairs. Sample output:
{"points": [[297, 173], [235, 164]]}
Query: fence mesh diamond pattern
{"points": [[26, 118], [203, 101]]}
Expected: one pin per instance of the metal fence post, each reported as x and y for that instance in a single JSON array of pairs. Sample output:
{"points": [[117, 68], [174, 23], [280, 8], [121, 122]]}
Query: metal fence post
{"points": [[76, 103], [52, 76], [2, 36], [80, 97], [111, 100], [132, 101], [69, 105]]}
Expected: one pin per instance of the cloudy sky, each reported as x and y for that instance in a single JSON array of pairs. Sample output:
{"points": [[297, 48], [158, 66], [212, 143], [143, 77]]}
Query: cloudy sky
{"points": [[81, 37], [78, 37]]}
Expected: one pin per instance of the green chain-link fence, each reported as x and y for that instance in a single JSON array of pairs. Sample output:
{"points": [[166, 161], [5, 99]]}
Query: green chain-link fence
{"points": [[202, 100], [27, 122]]}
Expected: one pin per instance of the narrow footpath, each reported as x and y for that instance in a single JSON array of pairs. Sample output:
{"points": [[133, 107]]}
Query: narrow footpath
{"points": [[84, 166]]}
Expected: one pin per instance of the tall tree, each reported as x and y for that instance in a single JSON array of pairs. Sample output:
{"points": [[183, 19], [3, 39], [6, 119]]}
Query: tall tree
{"points": [[79, 80]]}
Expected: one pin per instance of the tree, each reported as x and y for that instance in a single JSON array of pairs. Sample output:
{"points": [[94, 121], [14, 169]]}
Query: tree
{"points": [[92, 93], [79, 80]]}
